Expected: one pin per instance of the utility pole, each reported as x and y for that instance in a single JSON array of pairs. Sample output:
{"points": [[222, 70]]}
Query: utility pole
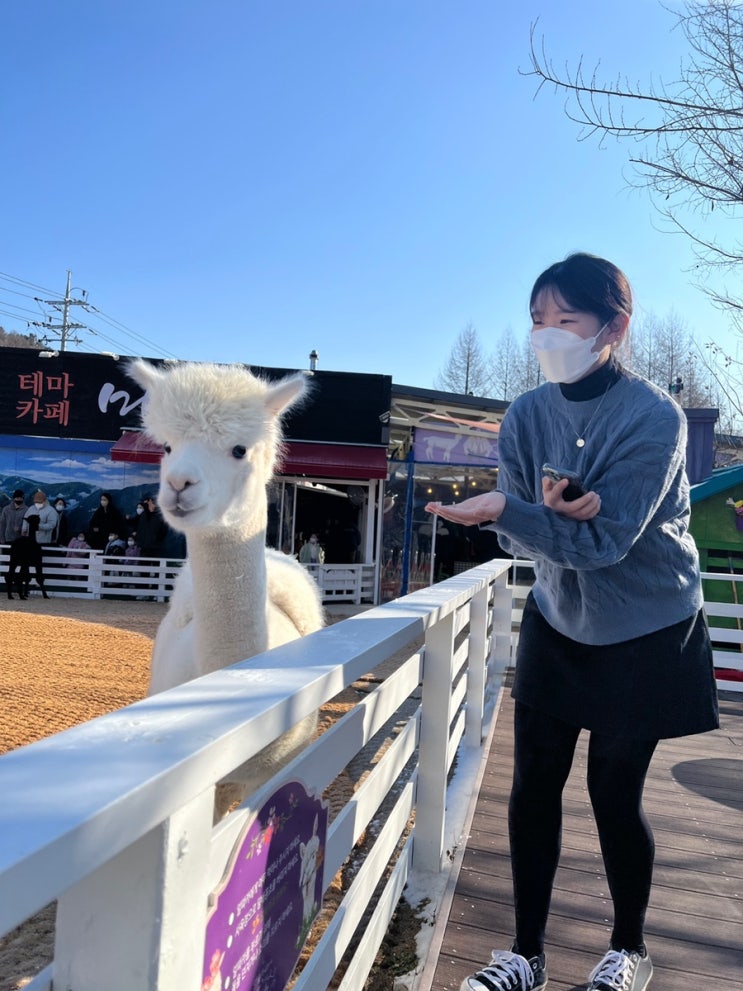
{"points": [[62, 330]]}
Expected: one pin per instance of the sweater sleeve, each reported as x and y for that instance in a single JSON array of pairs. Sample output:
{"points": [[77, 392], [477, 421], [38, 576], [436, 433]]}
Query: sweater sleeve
{"points": [[639, 472]]}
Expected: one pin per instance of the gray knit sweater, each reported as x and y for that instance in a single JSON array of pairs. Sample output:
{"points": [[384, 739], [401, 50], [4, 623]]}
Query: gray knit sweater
{"points": [[632, 569]]}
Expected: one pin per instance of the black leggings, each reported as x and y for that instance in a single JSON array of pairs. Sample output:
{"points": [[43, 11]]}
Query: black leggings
{"points": [[617, 766]]}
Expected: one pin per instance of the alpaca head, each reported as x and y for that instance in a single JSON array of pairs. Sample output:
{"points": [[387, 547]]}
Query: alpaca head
{"points": [[220, 427]]}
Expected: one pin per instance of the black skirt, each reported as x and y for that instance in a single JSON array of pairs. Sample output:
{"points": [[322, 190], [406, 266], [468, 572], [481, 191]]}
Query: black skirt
{"points": [[652, 687]]}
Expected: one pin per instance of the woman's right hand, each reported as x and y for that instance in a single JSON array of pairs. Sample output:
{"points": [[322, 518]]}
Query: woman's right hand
{"points": [[478, 509]]}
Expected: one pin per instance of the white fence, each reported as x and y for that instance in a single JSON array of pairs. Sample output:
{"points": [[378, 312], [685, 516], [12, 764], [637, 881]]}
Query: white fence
{"points": [[725, 620], [354, 583], [90, 574], [113, 818]]}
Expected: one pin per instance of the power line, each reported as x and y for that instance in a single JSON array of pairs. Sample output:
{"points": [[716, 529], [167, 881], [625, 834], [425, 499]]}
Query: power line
{"points": [[14, 316], [63, 329], [22, 282], [117, 325], [15, 306]]}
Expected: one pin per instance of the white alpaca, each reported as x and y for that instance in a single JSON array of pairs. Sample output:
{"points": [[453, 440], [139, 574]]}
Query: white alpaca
{"points": [[220, 429]]}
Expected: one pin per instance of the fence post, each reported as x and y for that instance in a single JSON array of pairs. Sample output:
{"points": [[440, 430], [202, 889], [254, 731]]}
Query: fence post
{"points": [[477, 667], [502, 633], [95, 574], [434, 745], [138, 922]]}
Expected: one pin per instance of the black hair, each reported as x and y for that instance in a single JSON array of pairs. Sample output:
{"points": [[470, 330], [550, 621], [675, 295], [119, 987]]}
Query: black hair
{"points": [[589, 284]]}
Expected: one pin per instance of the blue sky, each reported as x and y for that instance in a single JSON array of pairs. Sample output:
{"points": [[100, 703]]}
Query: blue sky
{"points": [[247, 181]]}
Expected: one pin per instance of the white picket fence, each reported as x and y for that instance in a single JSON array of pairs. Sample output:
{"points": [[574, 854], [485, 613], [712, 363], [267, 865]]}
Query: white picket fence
{"points": [[113, 818], [93, 575]]}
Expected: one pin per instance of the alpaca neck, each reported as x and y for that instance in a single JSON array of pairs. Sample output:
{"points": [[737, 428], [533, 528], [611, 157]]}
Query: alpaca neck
{"points": [[229, 596]]}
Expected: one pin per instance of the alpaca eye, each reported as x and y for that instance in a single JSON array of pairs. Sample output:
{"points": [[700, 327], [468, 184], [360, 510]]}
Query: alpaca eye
{"points": [[167, 448], [239, 451]]}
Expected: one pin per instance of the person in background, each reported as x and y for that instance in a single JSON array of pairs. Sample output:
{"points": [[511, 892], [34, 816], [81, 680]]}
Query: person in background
{"points": [[60, 532], [132, 551], [613, 638], [106, 519], [311, 552], [11, 518], [132, 548], [115, 546], [132, 519], [151, 528], [75, 546], [151, 532], [48, 518]]}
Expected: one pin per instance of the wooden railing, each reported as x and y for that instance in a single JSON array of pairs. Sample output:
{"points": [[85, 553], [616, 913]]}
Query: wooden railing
{"points": [[113, 819]]}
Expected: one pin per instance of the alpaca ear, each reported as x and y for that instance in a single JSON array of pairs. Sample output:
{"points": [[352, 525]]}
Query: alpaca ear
{"points": [[143, 373], [285, 393]]}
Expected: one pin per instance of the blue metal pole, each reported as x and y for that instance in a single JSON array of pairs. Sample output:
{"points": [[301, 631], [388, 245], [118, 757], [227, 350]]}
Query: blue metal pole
{"points": [[408, 523]]}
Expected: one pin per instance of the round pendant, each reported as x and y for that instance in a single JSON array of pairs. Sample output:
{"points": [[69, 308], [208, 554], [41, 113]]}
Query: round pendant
{"points": [[580, 442]]}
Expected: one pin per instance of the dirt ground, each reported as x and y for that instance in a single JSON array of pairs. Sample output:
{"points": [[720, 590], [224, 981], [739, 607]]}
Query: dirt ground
{"points": [[66, 661]]}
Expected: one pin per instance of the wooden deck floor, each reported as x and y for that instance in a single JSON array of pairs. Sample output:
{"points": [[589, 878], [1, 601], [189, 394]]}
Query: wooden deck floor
{"points": [[694, 931]]}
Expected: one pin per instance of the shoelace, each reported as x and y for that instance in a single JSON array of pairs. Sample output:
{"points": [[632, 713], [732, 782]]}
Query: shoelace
{"points": [[615, 970], [508, 968]]}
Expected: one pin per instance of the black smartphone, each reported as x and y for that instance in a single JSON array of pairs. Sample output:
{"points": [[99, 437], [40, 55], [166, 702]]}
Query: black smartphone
{"points": [[574, 489]]}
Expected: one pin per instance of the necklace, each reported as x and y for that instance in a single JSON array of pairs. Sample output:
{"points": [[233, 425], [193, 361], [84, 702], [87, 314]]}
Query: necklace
{"points": [[580, 442]]}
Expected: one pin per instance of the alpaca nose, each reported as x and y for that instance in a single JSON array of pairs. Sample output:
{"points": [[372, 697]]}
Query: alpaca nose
{"points": [[179, 482], [181, 477], [183, 469]]}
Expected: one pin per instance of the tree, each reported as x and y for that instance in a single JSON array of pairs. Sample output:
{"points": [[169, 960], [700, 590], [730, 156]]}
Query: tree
{"points": [[12, 339], [663, 350], [466, 370], [688, 133], [505, 366], [515, 366]]}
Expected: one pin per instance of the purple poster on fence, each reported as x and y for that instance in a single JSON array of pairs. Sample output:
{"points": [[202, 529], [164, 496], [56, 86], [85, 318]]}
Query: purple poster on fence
{"points": [[262, 911]]}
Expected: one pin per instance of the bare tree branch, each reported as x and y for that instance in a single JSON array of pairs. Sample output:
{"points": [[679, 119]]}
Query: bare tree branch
{"points": [[689, 132]]}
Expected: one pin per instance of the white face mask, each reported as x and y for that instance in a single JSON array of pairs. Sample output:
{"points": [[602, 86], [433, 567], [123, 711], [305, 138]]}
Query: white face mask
{"points": [[562, 355]]}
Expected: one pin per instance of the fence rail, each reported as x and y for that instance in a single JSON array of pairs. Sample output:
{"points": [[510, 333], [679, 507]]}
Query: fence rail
{"points": [[725, 621], [113, 818], [93, 575]]}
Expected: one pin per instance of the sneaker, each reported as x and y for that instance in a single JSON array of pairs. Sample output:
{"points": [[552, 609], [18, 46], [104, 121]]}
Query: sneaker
{"points": [[508, 972], [621, 971]]}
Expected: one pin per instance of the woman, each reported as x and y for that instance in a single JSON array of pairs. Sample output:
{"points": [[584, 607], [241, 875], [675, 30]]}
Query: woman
{"points": [[613, 639], [60, 531], [105, 520], [151, 528]]}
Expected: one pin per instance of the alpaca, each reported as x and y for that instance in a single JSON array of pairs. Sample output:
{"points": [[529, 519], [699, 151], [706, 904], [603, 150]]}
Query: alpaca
{"points": [[25, 553], [221, 433]]}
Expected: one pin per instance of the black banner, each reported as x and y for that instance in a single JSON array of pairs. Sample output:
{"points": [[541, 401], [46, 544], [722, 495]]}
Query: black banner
{"points": [[90, 396]]}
